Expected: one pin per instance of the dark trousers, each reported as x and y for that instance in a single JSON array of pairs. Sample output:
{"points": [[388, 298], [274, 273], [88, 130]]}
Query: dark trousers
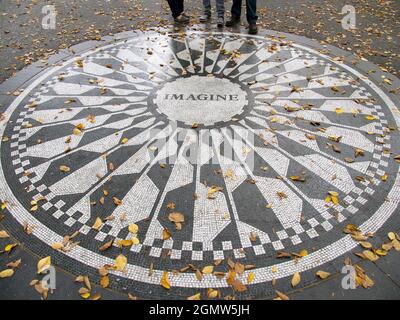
{"points": [[176, 7], [251, 10]]}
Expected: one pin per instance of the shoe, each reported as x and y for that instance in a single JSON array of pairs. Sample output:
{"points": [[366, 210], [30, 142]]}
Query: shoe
{"points": [[233, 21], [220, 22], [183, 18], [253, 29], [205, 17]]}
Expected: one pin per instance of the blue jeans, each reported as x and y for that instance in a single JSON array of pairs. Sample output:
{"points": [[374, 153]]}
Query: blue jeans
{"points": [[251, 10], [220, 7]]}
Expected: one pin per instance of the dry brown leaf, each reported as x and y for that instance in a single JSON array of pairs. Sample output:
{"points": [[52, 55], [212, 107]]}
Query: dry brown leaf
{"points": [[97, 224], [370, 255], [65, 168], [86, 281], [366, 245], [239, 268], [96, 296], [166, 234], [14, 264], [132, 297], [106, 246], [4, 234], [197, 296], [231, 277], [296, 279], [238, 285], [281, 295], [105, 281], [176, 217], [117, 201], [57, 246], [199, 275], [41, 290], [253, 236], [322, 274]]}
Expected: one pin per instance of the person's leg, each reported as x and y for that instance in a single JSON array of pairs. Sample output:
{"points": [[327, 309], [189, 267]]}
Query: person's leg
{"points": [[236, 8], [220, 8], [207, 7], [176, 7], [251, 11], [235, 13], [206, 11], [221, 13]]}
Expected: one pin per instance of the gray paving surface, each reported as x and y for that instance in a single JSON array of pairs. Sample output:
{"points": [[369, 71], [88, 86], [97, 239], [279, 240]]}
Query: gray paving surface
{"points": [[384, 272]]}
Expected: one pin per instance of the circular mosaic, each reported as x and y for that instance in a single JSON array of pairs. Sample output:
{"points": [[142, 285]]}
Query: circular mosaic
{"points": [[261, 145]]}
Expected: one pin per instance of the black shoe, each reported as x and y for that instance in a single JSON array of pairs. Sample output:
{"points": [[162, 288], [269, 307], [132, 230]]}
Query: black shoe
{"points": [[253, 29], [232, 21], [183, 18]]}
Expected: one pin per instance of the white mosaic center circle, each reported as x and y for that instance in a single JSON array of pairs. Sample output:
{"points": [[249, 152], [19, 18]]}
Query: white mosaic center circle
{"points": [[201, 100], [82, 152]]}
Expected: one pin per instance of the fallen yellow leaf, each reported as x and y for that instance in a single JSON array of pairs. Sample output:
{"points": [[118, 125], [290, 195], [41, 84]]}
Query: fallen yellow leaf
{"points": [[391, 235], [57, 246], [120, 262], [98, 224], [10, 246], [322, 274], [43, 264], [296, 279], [165, 281], [125, 243], [212, 293], [197, 296], [282, 296], [133, 228], [370, 117], [105, 281], [65, 168], [339, 110], [370, 255], [135, 241], [303, 253], [6, 273], [208, 270], [250, 277]]}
